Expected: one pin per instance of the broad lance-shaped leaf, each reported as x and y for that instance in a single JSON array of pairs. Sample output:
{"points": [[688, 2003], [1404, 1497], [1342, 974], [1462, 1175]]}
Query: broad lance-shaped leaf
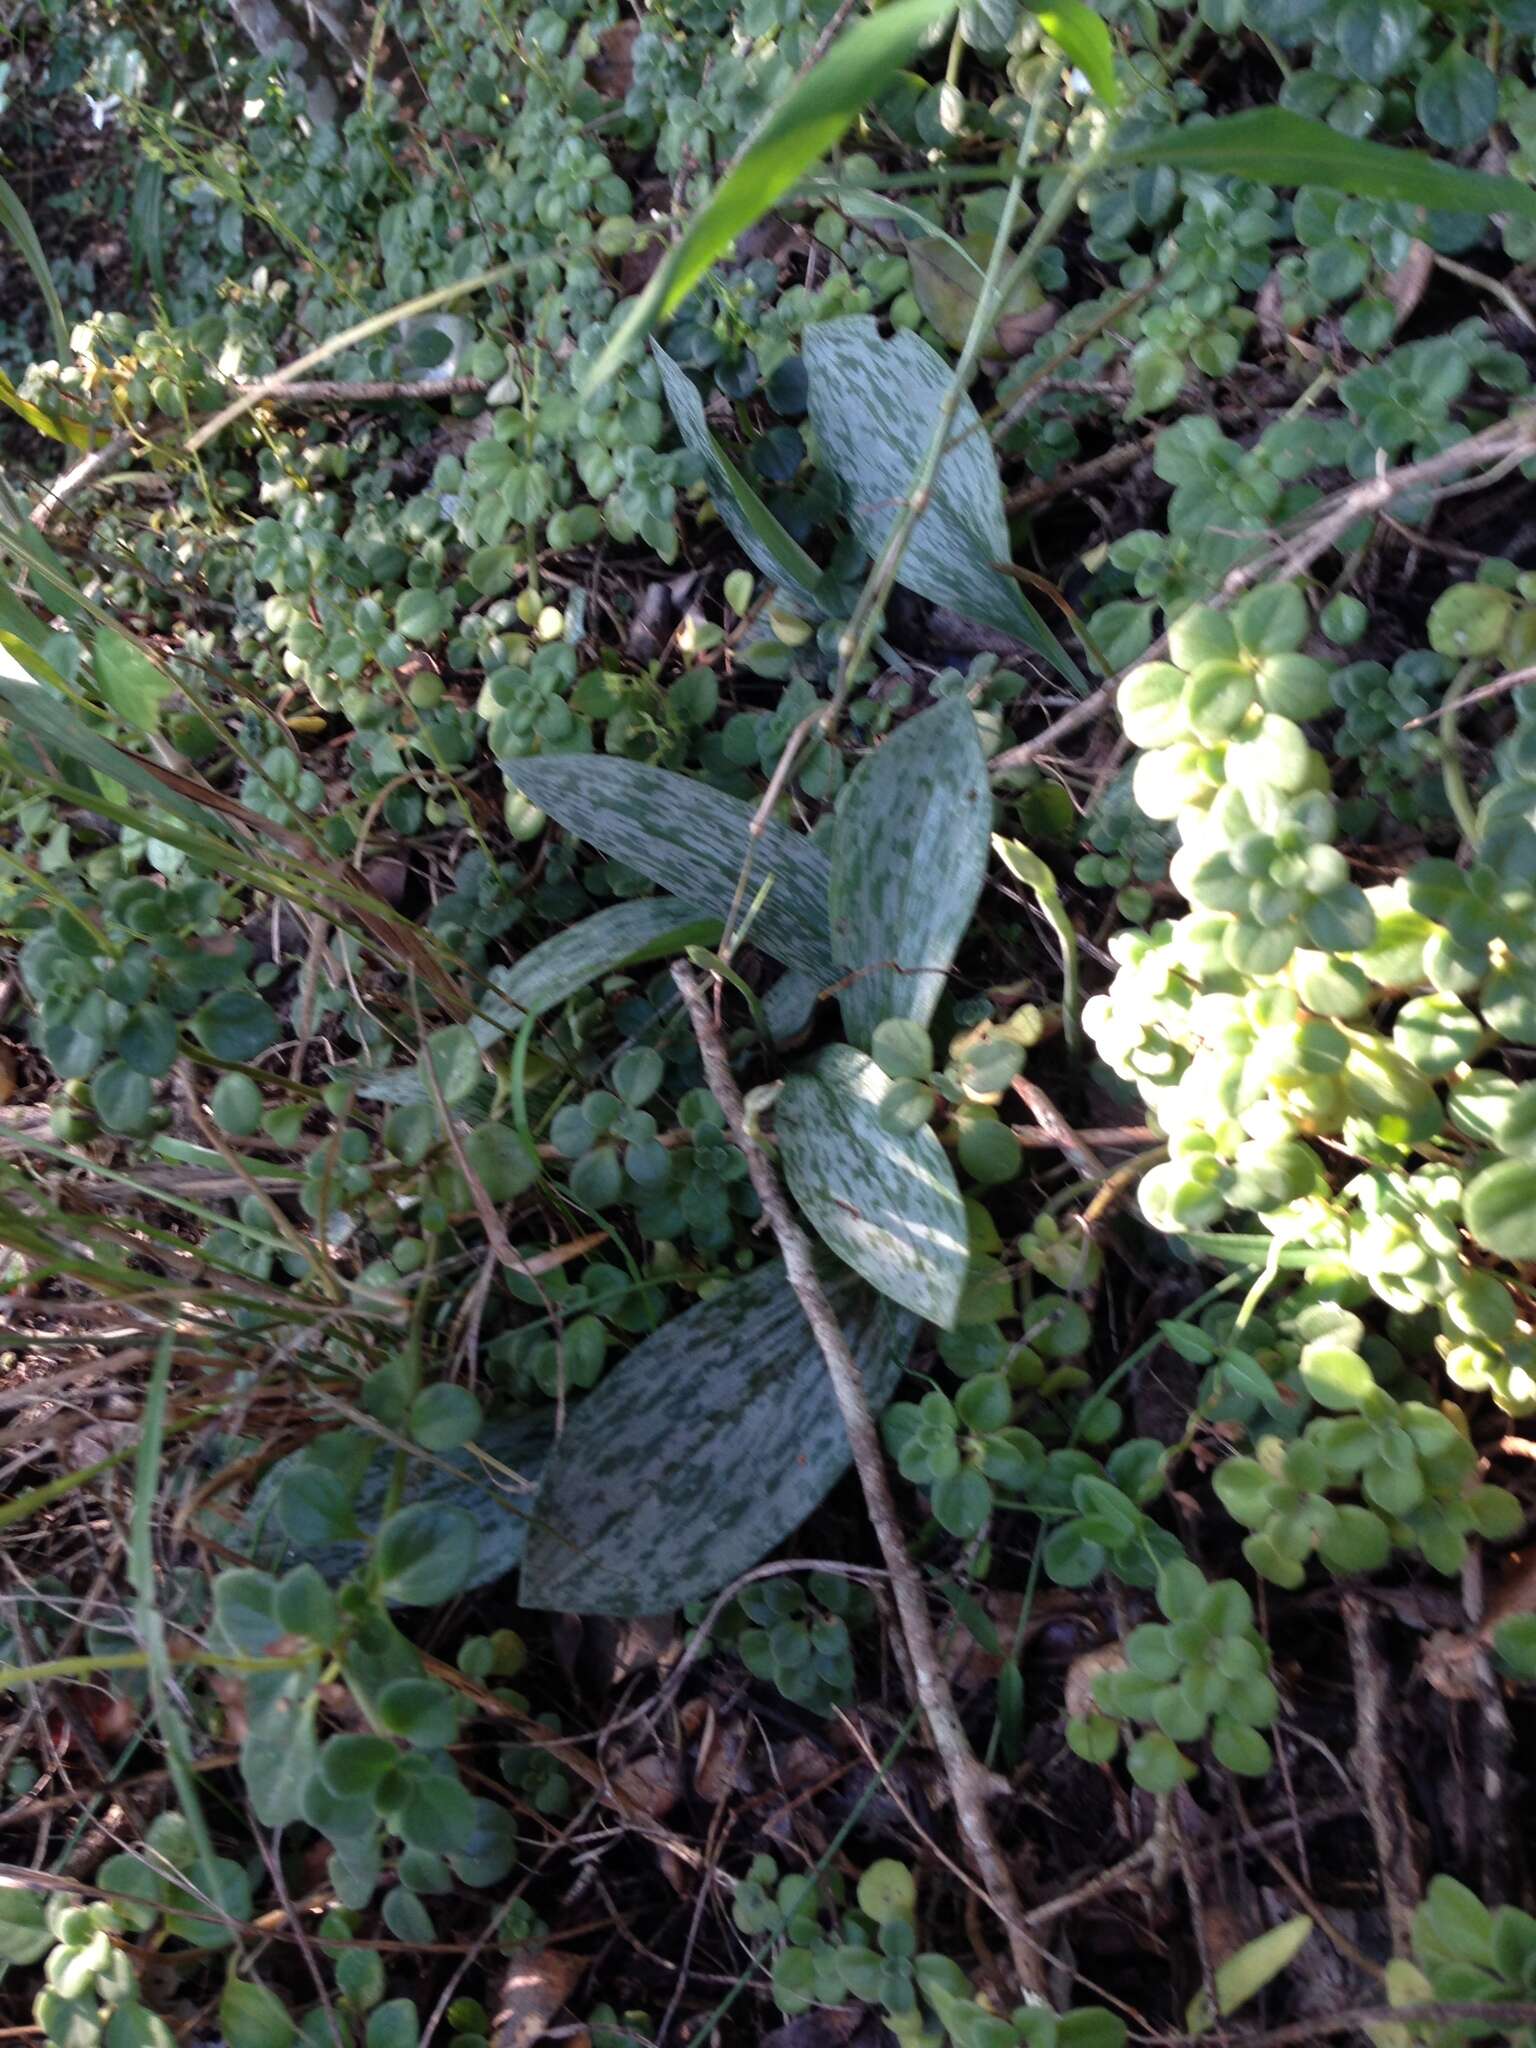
{"points": [[796, 134], [886, 1202], [873, 404], [33, 709], [705, 1448], [757, 533], [448, 1479], [695, 841], [1273, 146], [1243, 1975], [621, 936], [908, 860]]}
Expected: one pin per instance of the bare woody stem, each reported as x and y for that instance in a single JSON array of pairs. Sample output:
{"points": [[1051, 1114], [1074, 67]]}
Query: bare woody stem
{"points": [[966, 1778], [1506, 442]]}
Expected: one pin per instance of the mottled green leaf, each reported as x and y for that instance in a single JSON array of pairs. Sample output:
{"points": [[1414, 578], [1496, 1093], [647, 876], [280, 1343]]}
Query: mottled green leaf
{"points": [[908, 860], [453, 1478], [693, 840], [873, 404], [885, 1202], [708, 1446], [620, 936], [756, 532]]}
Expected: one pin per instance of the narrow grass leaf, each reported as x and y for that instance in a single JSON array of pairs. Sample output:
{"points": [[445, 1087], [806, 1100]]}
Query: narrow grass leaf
{"points": [[17, 223], [622, 936], [149, 1622], [695, 841], [873, 402], [704, 1449], [885, 1202], [794, 137], [908, 861], [1273, 146], [1079, 32], [60, 728]]}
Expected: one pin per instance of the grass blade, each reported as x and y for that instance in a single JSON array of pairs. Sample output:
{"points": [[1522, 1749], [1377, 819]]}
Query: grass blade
{"points": [[16, 222], [1079, 32], [148, 1620], [1276, 147], [795, 136]]}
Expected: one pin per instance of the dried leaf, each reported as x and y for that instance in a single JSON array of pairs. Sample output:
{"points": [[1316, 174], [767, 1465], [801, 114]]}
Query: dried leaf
{"points": [[532, 1992]]}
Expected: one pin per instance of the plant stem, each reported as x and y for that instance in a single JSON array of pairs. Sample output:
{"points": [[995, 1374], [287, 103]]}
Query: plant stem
{"points": [[1452, 773], [967, 1780], [14, 1675]]}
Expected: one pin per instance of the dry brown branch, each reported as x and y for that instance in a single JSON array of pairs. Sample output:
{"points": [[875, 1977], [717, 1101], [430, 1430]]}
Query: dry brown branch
{"points": [[1326, 525], [1379, 1780], [967, 1781]]}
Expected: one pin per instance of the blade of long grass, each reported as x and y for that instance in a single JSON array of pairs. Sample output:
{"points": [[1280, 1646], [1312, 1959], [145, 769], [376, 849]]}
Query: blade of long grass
{"points": [[17, 223], [150, 1622], [797, 134]]}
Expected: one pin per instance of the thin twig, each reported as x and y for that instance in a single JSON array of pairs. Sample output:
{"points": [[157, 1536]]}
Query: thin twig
{"points": [[1098, 468], [967, 1781], [1480, 695], [1055, 1127], [1515, 436]]}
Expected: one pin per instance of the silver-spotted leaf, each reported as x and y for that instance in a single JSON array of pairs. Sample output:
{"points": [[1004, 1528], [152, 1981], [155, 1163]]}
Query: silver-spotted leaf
{"points": [[621, 936], [908, 862], [695, 841], [451, 1479], [885, 1201], [873, 403], [705, 1448], [756, 532]]}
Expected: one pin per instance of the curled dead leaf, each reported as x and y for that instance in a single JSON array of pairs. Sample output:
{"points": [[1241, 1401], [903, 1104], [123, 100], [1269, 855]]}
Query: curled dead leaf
{"points": [[720, 1768], [1408, 283], [651, 1785], [531, 1993], [612, 71], [1082, 1672]]}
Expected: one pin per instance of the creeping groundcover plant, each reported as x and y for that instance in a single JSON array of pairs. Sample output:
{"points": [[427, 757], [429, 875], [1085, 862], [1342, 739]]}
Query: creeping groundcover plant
{"points": [[767, 1112]]}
